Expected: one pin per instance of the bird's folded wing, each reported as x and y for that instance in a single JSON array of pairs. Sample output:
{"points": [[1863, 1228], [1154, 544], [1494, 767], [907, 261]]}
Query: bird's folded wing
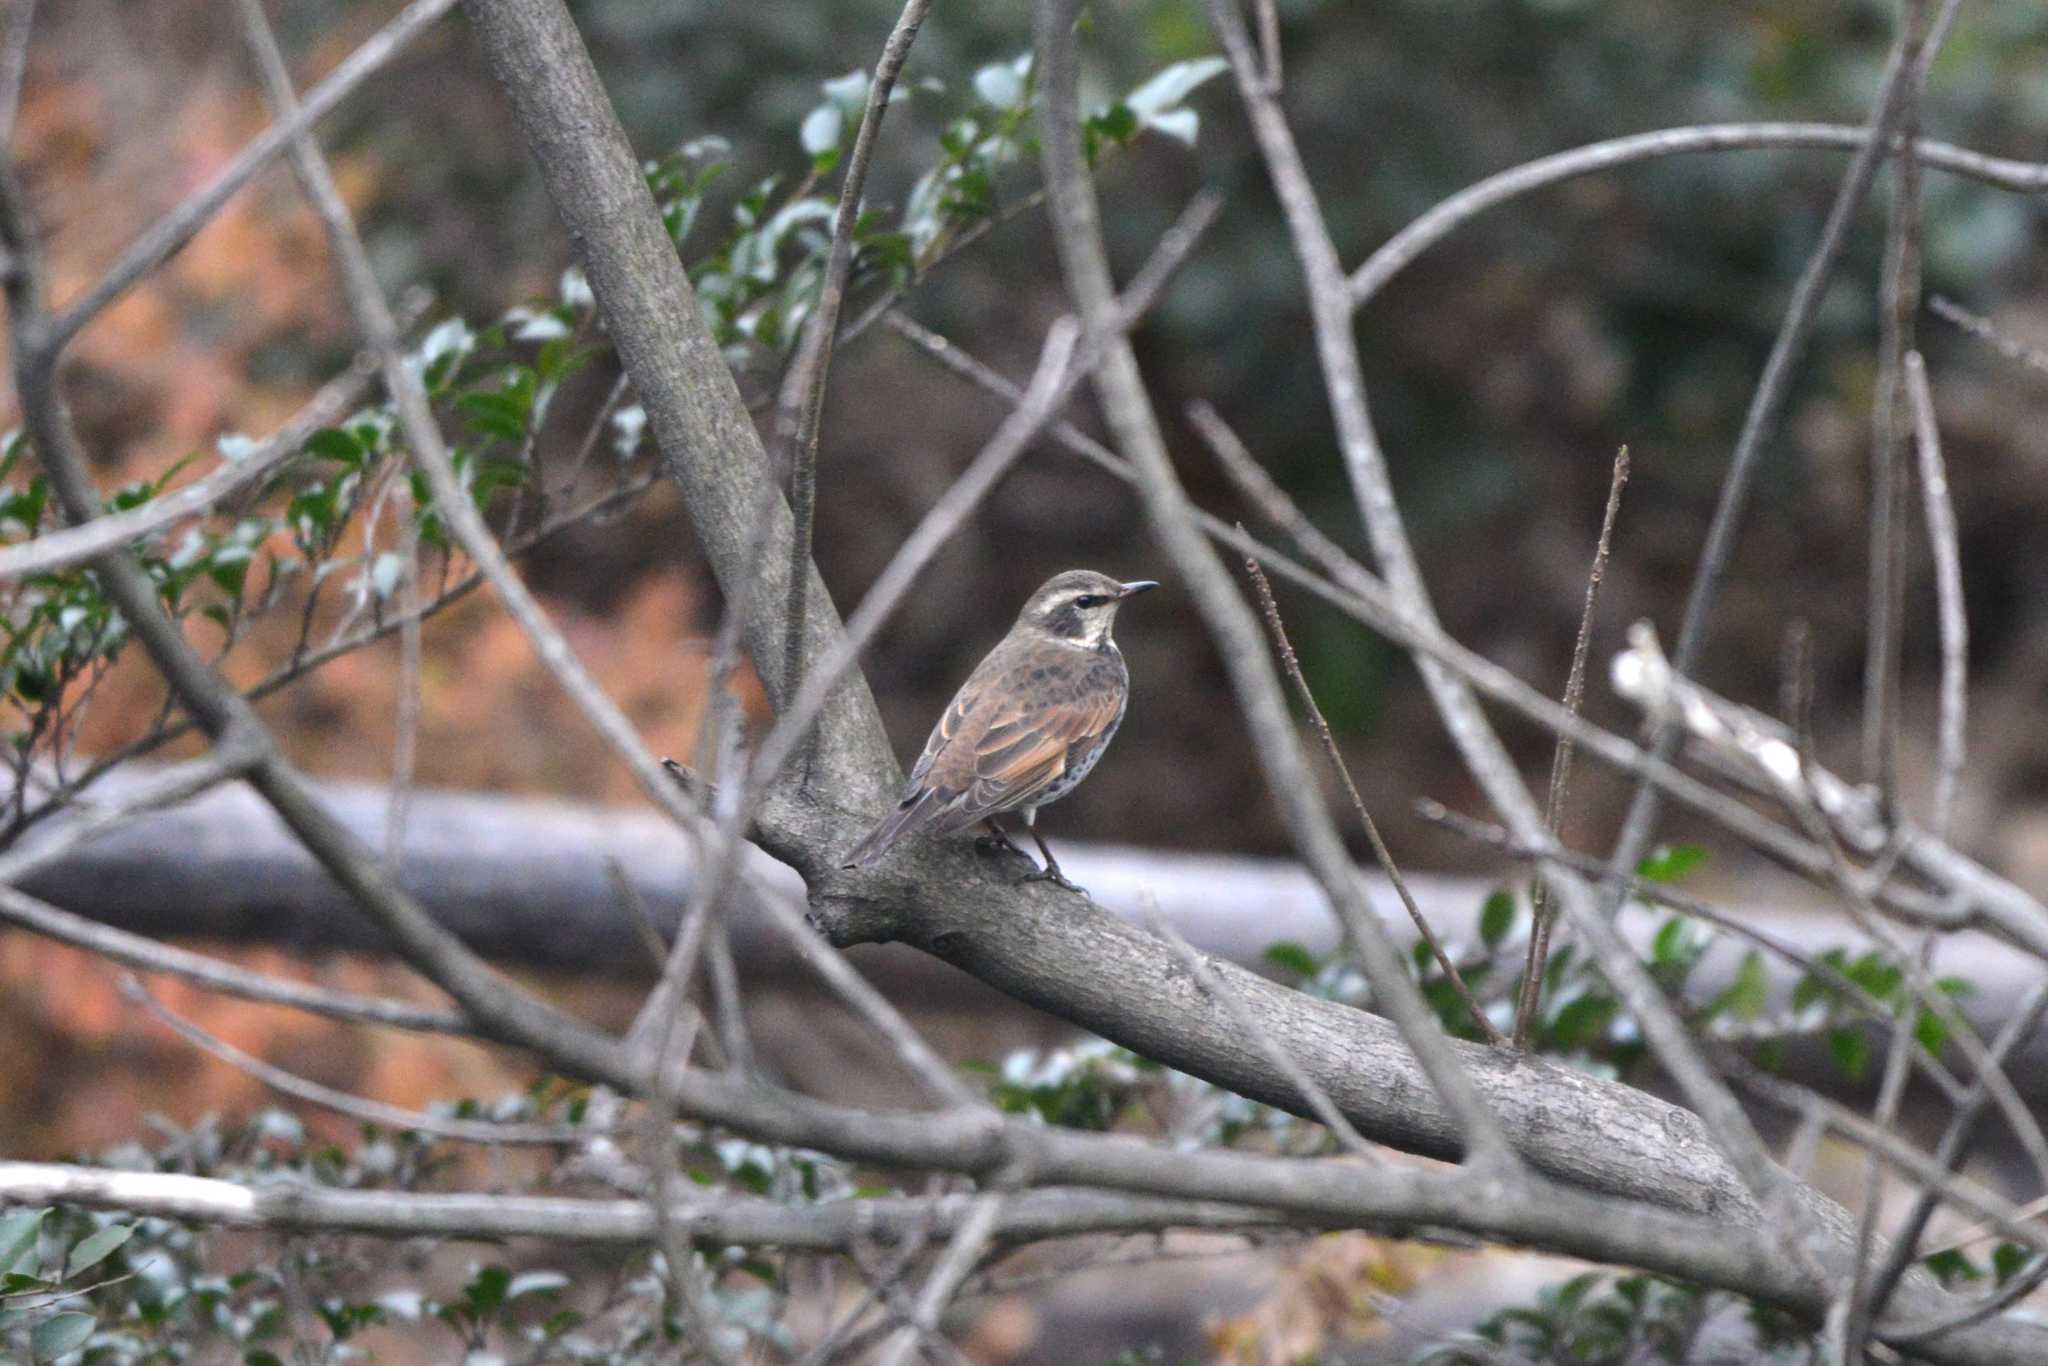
{"points": [[1008, 750]]}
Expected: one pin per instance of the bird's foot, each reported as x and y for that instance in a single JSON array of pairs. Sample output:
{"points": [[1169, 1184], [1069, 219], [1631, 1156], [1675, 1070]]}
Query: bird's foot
{"points": [[1051, 873]]}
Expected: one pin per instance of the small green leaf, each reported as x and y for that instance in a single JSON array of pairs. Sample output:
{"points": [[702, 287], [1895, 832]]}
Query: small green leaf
{"points": [[64, 1333], [2008, 1260], [1293, 957], [1931, 1032], [1952, 1265], [1496, 918], [1583, 1021], [1670, 862], [1746, 995], [485, 1292], [18, 1235], [1851, 1052], [332, 443], [96, 1248]]}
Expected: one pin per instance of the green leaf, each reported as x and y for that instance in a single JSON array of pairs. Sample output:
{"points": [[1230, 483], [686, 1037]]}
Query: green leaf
{"points": [[1952, 1265], [485, 1293], [332, 443], [95, 1249], [1851, 1052], [1876, 975], [1670, 862], [2008, 1260], [1293, 957], [1746, 995], [18, 1235], [1583, 1021], [1496, 918], [64, 1333], [1931, 1032]]}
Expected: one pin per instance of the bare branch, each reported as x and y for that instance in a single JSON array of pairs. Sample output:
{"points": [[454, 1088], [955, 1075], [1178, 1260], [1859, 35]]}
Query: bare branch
{"points": [[717, 1220], [358, 1107], [67, 546], [1898, 306], [1283, 647], [1951, 748], [1401, 250], [962, 1251], [1949, 1153], [803, 393], [1561, 758], [14, 36], [1984, 330], [147, 955]]}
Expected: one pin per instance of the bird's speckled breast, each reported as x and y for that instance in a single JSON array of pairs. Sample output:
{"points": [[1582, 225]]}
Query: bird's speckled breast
{"points": [[1079, 759]]}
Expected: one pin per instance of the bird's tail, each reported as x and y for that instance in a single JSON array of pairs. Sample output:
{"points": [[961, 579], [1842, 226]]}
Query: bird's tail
{"points": [[912, 812]]}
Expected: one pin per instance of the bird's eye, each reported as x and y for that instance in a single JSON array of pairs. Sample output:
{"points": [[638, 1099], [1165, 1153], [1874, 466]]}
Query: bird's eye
{"points": [[1089, 600]]}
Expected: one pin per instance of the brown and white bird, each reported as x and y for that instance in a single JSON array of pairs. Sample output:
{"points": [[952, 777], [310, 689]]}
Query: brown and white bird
{"points": [[1026, 726]]}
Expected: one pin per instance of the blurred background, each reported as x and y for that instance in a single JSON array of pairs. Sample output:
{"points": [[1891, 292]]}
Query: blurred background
{"points": [[1506, 366]]}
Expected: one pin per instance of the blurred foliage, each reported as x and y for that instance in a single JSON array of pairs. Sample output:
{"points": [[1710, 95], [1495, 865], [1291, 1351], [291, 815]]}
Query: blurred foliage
{"points": [[1600, 1318]]}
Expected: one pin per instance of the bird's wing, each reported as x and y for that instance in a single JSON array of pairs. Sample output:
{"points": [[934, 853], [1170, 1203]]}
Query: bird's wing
{"points": [[1026, 747], [998, 743]]}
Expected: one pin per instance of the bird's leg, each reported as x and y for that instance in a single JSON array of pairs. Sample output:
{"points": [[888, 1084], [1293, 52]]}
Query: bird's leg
{"points": [[1051, 872], [995, 841]]}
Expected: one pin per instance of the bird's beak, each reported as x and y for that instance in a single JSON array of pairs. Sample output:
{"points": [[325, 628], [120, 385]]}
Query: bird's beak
{"points": [[1137, 586]]}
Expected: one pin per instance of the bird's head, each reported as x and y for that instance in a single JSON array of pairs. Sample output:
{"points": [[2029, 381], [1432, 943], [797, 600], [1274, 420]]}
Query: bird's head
{"points": [[1078, 606]]}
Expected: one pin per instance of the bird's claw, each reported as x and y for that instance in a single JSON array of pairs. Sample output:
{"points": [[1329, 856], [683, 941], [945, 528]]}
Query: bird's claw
{"points": [[1051, 873]]}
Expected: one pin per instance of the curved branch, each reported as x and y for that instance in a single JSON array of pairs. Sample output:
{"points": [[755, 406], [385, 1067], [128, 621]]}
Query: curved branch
{"points": [[1398, 252]]}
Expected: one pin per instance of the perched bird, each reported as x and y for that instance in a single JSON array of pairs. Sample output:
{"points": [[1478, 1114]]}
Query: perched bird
{"points": [[1026, 726]]}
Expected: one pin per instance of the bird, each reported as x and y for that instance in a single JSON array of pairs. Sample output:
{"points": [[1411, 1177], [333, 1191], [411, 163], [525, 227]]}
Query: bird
{"points": [[1027, 725]]}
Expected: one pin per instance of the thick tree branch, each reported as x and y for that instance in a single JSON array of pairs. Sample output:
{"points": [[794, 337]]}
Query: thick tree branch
{"points": [[708, 443]]}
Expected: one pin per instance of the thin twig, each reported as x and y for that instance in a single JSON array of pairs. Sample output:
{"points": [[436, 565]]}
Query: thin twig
{"points": [[1949, 1153], [358, 1107], [147, 955], [1898, 305], [1951, 747], [1986, 331], [962, 1250], [1284, 647], [14, 38], [1862, 1309], [1541, 912], [71, 545], [1398, 252], [802, 404]]}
